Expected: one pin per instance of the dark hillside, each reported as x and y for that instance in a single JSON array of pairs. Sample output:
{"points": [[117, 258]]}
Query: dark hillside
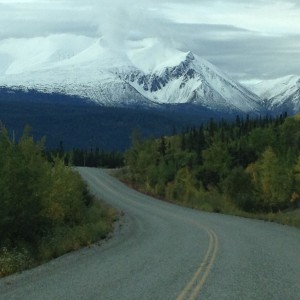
{"points": [[80, 123]]}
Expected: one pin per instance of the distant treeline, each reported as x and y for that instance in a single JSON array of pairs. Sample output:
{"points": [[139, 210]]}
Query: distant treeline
{"points": [[251, 165], [88, 158]]}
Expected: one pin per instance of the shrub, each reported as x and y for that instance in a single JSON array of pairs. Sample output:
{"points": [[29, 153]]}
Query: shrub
{"points": [[46, 209], [13, 260]]}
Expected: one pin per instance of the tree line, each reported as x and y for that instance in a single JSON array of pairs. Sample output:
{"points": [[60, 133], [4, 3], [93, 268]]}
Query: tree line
{"points": [[251, 165], [94, 157]]}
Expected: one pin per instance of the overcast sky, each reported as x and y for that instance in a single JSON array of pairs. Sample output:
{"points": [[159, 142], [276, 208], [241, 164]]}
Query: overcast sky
{"points": [[257, 39]]}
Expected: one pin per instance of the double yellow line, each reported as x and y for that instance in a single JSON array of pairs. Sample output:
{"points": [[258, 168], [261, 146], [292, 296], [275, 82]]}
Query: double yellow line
{"points": [[194, 286]]}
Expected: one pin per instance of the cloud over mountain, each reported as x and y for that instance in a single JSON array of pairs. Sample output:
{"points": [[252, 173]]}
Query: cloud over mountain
{"points": [[244, 38]]}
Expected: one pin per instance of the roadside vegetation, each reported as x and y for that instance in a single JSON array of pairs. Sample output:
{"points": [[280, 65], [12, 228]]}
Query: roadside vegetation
{"points": [[45, 207], [248, 167]]}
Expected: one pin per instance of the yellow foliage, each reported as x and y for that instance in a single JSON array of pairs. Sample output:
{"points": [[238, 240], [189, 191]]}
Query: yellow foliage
{"points": [[294, 198], [56, 212], [297, 117], [251, 170]]}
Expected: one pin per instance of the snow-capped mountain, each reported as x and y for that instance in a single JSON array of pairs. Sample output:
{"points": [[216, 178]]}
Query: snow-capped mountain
{"points": [[144, 72], [278, 95]]}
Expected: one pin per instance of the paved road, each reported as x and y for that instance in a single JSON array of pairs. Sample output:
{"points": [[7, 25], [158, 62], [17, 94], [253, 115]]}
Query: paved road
{"points": [[162, 251]]}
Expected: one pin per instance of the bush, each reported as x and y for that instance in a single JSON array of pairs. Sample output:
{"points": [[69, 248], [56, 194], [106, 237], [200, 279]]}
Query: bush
{"points": [[13, 260], [46, 209]]}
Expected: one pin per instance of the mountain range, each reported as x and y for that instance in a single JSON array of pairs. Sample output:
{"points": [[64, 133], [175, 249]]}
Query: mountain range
{"points": [[143, 73], [92, 92], [281, 94]]}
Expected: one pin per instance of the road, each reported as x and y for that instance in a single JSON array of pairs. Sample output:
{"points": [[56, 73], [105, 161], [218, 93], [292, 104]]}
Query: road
{"points": [[163, 251]]}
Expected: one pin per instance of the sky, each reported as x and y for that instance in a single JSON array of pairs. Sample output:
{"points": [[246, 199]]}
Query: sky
{"points": [[250, 40]]}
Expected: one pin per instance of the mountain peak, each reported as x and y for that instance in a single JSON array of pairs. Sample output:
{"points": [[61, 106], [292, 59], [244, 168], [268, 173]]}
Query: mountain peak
{"points": [[272, 87], [280, 94], [190, 56]]}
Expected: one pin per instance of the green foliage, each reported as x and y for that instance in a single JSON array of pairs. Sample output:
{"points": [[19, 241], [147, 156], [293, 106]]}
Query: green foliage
{"points": [[260, 138], [45, 209], [295, 198], [273, 181], [216, 164], [183, 187], [248, 165], [240, 190], [23, 178]]}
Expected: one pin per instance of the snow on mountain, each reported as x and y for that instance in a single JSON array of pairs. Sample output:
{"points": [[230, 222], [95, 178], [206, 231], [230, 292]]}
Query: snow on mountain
{"points": [[144, 72], [187, 78], [28, 55], [280, 94]]}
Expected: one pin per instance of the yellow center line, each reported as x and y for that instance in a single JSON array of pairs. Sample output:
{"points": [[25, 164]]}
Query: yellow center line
{"points": [[194, 286], [190, 284], [202, 279]]}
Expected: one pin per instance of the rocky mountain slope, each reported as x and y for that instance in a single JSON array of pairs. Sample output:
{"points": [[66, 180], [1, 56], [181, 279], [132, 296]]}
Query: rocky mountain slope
{"points": [[137, 73], [278, 95]]}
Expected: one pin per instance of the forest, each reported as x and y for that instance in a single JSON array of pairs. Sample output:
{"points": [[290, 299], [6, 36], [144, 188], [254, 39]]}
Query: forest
{"points": [[45, 207], [249, 165]]}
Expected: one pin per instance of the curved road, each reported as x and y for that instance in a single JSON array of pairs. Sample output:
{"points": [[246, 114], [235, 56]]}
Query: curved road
{"points": [[163, 251]]}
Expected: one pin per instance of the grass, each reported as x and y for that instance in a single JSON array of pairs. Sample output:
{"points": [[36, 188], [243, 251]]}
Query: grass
{"points": [[285, 218], [97, 225]]}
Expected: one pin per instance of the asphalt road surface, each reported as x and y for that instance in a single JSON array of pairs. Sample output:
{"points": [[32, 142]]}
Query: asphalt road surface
{"points": [[163, 251]]}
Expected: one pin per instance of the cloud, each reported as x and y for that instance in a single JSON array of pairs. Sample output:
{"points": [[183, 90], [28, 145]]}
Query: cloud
{"points": [[269, 17], [248, 39], [118, 23]]}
